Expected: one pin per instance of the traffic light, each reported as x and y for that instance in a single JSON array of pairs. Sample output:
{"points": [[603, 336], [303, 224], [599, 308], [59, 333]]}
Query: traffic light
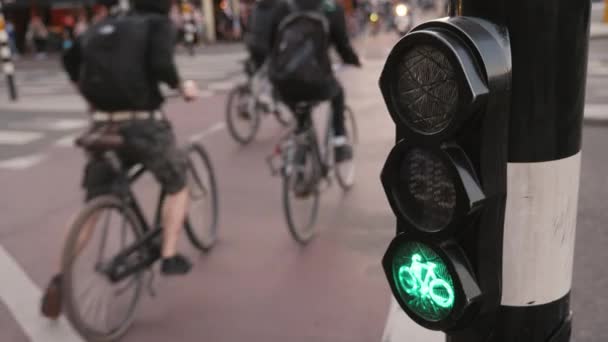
{"points": [[447, 88]]}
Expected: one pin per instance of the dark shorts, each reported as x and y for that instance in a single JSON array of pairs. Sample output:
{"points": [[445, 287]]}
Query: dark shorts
{"points": [[150, 143]]}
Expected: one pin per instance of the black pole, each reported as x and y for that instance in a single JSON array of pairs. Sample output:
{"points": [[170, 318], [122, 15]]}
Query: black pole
{"points": [[549, 46], [5, 55]]}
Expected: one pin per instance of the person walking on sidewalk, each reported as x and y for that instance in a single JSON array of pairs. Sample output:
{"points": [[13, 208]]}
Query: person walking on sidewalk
{"points": [[144, 42], [38, 35]]}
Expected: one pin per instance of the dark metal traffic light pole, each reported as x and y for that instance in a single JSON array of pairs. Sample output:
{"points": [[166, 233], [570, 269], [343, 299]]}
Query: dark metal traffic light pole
{"points": [[549, 46], [8, 68]]}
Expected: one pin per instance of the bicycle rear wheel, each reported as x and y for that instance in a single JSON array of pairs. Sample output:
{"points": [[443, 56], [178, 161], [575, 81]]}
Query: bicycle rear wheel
{"points": [[345, 171], [243, 120], [301, 202], [202, 221], [97, 308]]}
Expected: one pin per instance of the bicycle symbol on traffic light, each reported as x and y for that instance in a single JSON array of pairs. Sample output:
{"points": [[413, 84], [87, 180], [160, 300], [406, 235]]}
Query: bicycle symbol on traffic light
{"points": [[431, 291]]}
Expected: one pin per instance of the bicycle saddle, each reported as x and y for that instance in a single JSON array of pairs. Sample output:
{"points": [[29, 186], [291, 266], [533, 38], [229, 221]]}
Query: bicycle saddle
{"points": [[99, 141]]}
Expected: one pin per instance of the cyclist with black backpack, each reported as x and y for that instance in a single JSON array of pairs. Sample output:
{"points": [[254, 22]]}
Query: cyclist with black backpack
{"points": [[300, 65], [117, 66]]}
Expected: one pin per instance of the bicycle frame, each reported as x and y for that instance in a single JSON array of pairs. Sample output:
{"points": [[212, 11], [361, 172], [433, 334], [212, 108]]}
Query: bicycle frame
{"points": [[119, 267], [323, 157]]}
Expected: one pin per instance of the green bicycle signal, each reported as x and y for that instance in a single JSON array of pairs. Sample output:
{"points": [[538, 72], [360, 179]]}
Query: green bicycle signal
{"points": [[423, 281]]}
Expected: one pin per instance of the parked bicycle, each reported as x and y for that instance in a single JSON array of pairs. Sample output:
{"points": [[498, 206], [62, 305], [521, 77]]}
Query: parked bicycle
{"points": [[248, 102], [111, 245], [304, 181]]}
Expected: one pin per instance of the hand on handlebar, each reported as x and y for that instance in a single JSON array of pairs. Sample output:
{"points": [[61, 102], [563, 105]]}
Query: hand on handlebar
{"points": [[189, 90]]}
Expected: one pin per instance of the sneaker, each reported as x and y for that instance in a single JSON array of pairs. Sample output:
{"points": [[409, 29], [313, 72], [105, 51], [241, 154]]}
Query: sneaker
{"points": [[342, 149], [176, 265], [52, 299]]}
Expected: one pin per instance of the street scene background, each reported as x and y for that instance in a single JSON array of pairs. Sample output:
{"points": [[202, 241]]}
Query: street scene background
{"points": [[257, 284]]}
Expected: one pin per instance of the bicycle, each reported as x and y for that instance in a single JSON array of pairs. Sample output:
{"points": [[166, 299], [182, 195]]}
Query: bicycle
{"points": [[134, 245], [431, 288], [303, 183], [245, 105]]}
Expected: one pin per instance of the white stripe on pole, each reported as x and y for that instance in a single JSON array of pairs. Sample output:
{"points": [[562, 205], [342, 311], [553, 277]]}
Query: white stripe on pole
{"points": [[539, 233], [5, 52], [3, 36]]}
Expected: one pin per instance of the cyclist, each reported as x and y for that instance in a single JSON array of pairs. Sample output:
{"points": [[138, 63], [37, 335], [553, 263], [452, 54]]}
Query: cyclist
{"points": [[143, 41], [330, 88]]}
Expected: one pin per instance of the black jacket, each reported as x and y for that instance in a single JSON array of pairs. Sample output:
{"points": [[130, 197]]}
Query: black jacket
{"points": [[157, 64], [337, 26]]}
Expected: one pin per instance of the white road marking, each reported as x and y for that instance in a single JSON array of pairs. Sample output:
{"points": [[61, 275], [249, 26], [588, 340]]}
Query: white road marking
{"points": [[221, 86], [21, 163], [66, 141], [597, 68], [209, 131], [399, 327], [48, 124], [204, 94], [18, 137], [596, 112], [22, 297], [68, 124]]}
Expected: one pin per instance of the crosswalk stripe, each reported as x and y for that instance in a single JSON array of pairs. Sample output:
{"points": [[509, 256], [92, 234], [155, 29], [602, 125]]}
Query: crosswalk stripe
{"points": [[22, 296], [221, 86], [21, 163], [18, 137]]}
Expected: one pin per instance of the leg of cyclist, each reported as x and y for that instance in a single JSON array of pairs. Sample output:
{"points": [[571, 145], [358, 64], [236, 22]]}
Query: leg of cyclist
{"points": [[343, 151], [154, 145]]}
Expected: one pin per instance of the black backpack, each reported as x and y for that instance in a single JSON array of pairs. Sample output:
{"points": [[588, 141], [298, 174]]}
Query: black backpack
{"points": [[113, 74], [299, 63]]}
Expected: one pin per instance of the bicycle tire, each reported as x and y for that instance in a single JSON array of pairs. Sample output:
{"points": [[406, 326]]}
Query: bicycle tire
{"points": [[346, 178], [232, 115], [439, 300], [70, 303], [302, 234], [198, 241]]}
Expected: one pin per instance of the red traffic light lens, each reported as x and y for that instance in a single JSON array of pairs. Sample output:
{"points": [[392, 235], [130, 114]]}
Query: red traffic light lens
{"points": [[426, 90]]}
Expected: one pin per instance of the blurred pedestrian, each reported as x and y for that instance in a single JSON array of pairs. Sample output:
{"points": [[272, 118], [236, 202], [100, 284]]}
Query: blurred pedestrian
{"points": [[38, 34], [81, 24], [12, 38]]}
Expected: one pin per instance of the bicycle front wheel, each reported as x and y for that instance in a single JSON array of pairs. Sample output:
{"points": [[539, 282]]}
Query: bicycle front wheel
{"points": [[242, 119], [345, 171], [202, 221], [100, 310]]}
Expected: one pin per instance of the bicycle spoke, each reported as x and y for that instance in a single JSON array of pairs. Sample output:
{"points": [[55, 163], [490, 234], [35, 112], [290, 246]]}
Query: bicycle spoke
{"points": [[92, 301], [198, 181], [91, 284], [123, 234], [104, 233], [129, 284]]}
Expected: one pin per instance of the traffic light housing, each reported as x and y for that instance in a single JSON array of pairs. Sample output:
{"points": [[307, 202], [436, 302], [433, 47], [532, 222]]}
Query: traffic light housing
{"points": [[447, 88]]}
